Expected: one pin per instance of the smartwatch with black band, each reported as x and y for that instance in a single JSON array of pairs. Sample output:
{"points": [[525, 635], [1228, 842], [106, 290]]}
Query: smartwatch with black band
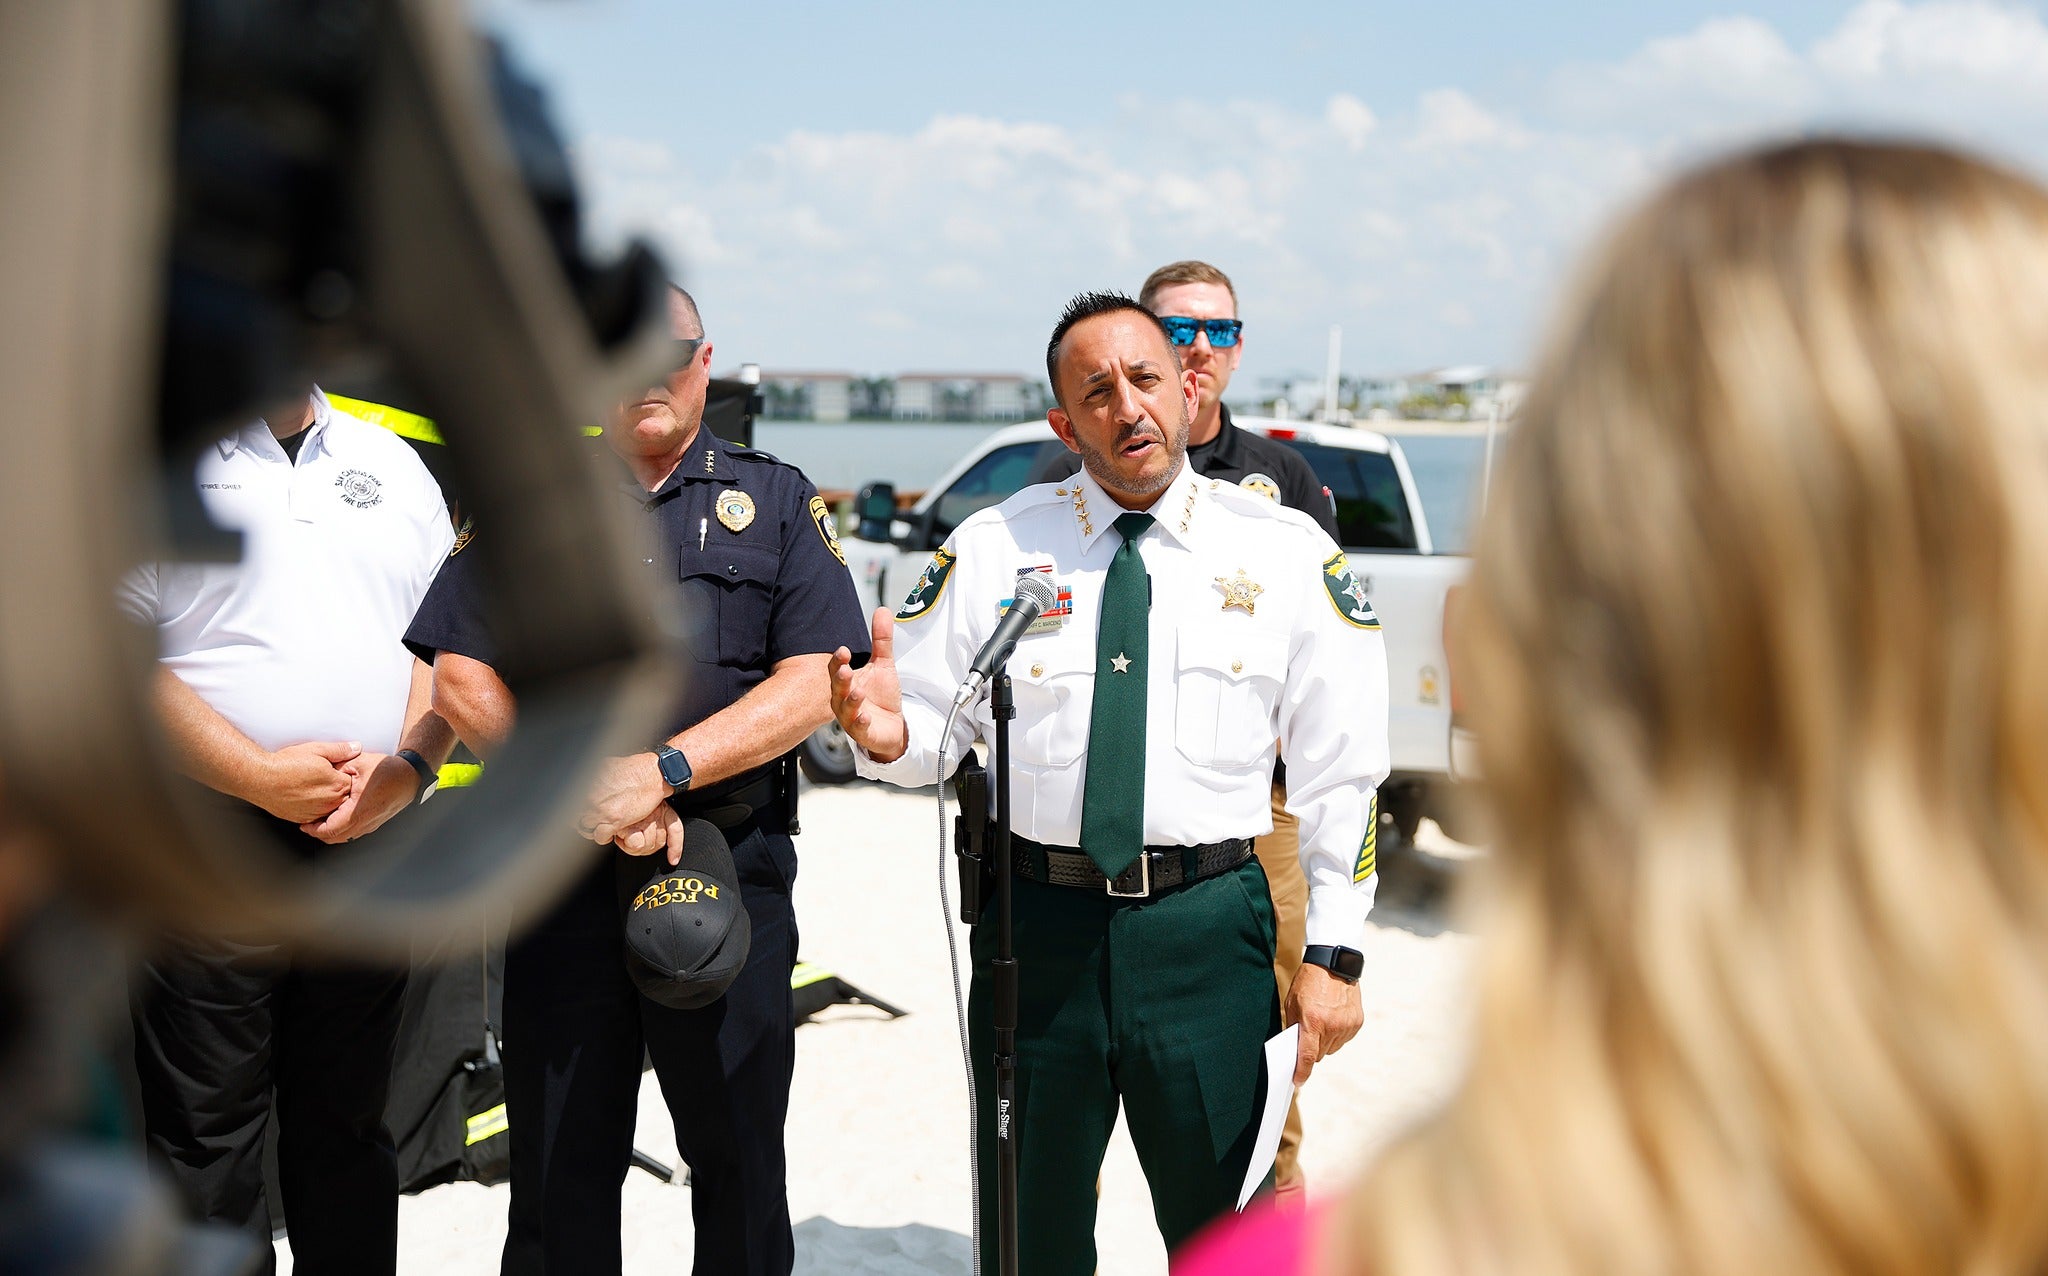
{"points": [[675, 768], [430, 779], [1346, 964]]}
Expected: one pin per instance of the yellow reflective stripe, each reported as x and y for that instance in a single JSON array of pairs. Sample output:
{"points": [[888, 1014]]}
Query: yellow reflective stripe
{"points": [[410, 425], [1368, 850], [806, 974], [460, 775], [489, 1122]]}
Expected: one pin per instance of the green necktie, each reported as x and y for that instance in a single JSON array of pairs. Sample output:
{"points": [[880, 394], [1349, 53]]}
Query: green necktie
{"points": [[1113, 794]]}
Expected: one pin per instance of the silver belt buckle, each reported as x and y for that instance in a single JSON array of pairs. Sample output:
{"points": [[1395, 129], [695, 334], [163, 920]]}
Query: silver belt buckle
{"points": [[1144, 879]]}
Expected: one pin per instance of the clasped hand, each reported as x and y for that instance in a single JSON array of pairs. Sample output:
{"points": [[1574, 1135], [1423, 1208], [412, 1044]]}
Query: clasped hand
{"points": [[628, 808]]}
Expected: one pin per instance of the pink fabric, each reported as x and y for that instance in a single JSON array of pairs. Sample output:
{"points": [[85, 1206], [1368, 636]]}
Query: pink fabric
{"points": [[1262, 1241]]}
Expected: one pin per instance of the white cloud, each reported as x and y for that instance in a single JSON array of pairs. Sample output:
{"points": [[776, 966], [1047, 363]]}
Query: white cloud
{"points": [[1352, 119], [1733, 55], [1950, 37], [1434, 229], [1449, 117]]}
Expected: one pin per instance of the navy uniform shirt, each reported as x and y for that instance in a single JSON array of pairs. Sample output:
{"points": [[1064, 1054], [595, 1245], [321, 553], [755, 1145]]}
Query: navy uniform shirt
{"points": [[1235, 456], [746, 547], [451, 616]]}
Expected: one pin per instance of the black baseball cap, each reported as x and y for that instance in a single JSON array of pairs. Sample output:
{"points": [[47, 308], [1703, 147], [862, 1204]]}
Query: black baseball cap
{"points": [[687, 932]]}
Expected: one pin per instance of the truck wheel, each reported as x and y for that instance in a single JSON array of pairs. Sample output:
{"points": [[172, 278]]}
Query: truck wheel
{"points": [[827, 755]]}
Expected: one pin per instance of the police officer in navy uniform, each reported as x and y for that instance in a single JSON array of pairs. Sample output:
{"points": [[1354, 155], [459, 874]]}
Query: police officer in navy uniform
{"points": [[752, 555], [1199, 307]]}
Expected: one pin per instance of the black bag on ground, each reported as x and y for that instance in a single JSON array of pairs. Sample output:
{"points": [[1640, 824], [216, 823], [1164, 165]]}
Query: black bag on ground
{"points": [[447, 1105]]}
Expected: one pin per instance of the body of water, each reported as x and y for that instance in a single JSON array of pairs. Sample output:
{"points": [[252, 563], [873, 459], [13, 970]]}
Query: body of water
{"points": [[914, 454], [846, 454]]}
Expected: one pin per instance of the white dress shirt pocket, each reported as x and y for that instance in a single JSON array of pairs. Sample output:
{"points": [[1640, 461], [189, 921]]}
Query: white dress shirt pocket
{"points": [[1226, 687], [1054, 702]]}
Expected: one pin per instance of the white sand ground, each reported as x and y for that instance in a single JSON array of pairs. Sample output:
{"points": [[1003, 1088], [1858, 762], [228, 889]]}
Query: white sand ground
{"points": [[877, 1135]]}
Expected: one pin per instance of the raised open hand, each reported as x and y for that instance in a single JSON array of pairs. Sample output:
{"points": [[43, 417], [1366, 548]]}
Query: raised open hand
{"points": [[868, 702]]}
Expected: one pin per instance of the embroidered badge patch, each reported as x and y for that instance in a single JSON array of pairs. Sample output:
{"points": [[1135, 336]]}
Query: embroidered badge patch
{"points": [[828, 528], [1347, 595], [735, 509], [1261, 484], [931, 582], [463, 536], [359, 489]]}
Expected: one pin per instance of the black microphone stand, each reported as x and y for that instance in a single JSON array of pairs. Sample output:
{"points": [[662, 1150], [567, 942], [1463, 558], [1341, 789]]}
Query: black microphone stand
{"points": [[1003, 983]]}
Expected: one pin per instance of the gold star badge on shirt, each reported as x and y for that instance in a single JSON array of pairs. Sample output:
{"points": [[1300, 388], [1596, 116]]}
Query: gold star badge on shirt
{"points": [[1240, 591]]}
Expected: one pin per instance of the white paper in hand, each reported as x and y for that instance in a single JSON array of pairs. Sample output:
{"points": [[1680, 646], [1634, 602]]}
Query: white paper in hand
{"points": [[1280, 1054]]}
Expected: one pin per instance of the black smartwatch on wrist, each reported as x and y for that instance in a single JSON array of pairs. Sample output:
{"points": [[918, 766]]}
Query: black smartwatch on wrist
{"points": [[430, 779], [675, 768], [1346, 964]]}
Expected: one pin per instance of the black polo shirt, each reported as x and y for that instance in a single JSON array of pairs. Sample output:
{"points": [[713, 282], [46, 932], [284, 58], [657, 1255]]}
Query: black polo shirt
{"points": [[741, 548], [1234, 455]]}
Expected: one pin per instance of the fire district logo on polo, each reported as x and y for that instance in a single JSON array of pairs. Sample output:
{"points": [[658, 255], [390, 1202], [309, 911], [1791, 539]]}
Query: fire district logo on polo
{"points": [[359, 489]]}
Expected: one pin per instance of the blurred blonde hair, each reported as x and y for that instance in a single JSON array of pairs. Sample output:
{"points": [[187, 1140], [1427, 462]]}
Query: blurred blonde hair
{"points": [[1759, 647]]}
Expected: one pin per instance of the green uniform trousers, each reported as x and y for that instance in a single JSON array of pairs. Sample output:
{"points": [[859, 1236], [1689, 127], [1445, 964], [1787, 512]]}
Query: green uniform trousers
{"points": [[1162, 1003]]}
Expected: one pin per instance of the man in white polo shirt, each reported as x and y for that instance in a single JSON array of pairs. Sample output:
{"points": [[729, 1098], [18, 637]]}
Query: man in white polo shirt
{"points": [[285, 687]]}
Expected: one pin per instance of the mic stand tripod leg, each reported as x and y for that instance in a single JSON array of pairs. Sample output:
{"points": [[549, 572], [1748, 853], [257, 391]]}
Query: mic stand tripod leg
{"points": [[1003, 984]]}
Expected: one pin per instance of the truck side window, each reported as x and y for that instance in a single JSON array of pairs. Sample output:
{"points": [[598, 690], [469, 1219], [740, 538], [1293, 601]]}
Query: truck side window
{"points": [[992, 480], [1372, 511]]}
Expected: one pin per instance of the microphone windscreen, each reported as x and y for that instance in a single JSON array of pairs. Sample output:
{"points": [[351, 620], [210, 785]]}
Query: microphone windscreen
{"points": [[1038, 587]]}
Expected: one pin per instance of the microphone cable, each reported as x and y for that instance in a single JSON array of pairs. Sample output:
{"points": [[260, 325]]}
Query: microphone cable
{"points": [[959, 999]]}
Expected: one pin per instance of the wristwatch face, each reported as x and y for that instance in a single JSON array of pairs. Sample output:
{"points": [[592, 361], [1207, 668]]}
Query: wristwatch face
{"points": [[675, 768], [1348, 962], [1345, 963]]}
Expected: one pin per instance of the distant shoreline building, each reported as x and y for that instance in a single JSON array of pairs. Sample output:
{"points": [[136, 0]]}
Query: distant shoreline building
{"points": [[1457, 393], [911, 396]]}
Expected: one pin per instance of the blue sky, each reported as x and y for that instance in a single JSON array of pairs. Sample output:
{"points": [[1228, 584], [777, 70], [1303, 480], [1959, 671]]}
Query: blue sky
{"points": [[889, 187]]}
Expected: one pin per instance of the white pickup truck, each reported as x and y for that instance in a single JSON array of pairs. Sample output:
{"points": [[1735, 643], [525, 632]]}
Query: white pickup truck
{"points": [[1379, 520]]}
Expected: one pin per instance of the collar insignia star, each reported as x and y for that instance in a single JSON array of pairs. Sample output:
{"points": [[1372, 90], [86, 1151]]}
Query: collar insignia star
{"points": [[1240, 591], [1120, 662]]}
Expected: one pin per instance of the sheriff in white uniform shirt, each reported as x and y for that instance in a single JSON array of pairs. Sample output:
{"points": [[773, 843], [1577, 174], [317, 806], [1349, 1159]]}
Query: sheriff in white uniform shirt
{"points": [[1259, 633], [1145, 975]]}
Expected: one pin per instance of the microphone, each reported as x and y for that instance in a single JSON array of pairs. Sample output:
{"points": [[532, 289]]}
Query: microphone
{"points": [[1035, 593]]}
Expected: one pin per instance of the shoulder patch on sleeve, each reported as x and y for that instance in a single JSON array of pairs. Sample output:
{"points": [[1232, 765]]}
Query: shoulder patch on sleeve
{"points": [[931, 582], [1346, 594], [1262, 484], [828, 527], [463, 536]]}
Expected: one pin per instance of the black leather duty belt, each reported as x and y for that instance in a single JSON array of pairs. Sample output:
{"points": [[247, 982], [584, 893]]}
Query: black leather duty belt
{"points": [[728, 810], [1159, 868]]}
